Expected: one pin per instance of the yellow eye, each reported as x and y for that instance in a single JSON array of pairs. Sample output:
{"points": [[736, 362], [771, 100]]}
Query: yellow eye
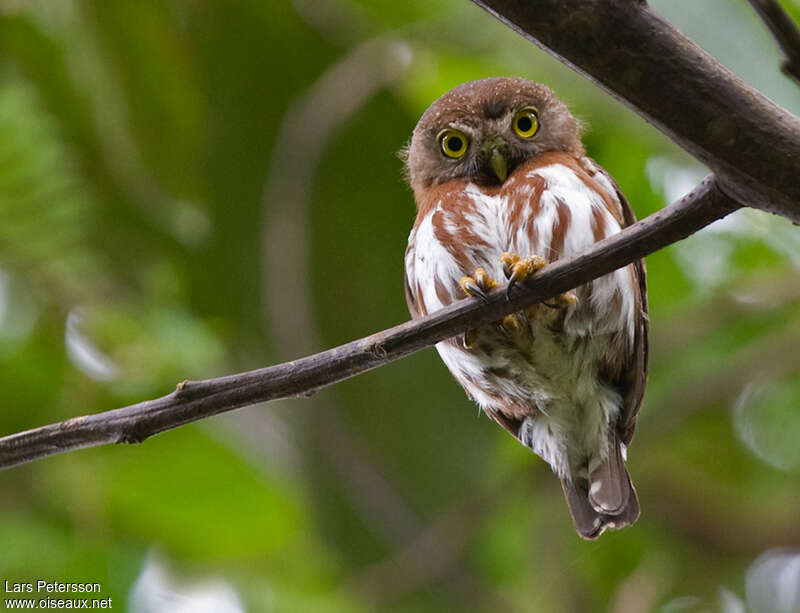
{"points": [[526, 122], [454, 143]]}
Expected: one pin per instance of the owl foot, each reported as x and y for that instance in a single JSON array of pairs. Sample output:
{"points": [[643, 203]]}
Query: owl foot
{"points": [[478, 284], [563, 301], [518, 269], [469, 338], [513, 325]]}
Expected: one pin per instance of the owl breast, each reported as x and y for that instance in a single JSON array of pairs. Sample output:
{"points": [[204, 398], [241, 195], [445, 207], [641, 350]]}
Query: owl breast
{"points": [[553, 206]]}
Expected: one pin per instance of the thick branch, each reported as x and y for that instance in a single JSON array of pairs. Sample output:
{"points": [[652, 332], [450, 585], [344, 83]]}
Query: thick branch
{"points": [[192, 401], [785, 32], [750, 143]]}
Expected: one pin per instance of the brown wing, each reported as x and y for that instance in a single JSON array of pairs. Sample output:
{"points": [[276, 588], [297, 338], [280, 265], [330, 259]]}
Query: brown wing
{"points": [[633, 376], [509, 423], [412, 299]]}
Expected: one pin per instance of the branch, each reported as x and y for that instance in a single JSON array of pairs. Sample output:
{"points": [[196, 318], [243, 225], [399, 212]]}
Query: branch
{"points": [[785, 33], [750, 143], [194, 400]]}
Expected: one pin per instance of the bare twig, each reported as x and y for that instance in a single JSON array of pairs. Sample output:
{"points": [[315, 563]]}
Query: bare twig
{"points": [[288, 314], [195, 400], [785, 33], [750, 143]]}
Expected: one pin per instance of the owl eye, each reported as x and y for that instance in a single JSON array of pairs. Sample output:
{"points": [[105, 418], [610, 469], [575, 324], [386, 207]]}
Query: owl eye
{"points": [[454, 143], [526, 122]]}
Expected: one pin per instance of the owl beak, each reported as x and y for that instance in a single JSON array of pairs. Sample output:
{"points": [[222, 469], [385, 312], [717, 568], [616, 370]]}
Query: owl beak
{"points": [[499, 164]]}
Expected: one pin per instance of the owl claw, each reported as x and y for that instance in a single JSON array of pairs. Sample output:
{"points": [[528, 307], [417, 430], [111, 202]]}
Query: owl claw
{"points": [[512, 325], [478, 285], [472, 289], [508, 260], [518, 269], [469, 338], [475, 286], [563, 301]]}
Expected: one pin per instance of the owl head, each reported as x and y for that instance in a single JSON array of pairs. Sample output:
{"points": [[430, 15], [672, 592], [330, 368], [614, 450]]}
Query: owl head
{"points": [[482, 130]]}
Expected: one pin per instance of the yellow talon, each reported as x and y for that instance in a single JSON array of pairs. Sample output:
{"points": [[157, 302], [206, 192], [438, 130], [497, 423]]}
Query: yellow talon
{"points": [[466, 285], [568, 299], [508, 260], [512, 325], [470, 336], [518, 269], [483, 279], [477, 285], [565, 300]]}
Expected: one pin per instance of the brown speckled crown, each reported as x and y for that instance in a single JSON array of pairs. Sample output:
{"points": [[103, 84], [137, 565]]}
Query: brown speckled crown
{"points": [[483, 108]]}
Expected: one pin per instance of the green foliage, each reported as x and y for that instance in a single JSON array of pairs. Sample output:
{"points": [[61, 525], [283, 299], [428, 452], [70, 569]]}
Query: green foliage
{"points": [[137, 141]]}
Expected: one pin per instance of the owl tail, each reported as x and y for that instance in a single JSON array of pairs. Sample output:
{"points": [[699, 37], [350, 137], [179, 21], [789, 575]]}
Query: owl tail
{"points": [[606, 500]]}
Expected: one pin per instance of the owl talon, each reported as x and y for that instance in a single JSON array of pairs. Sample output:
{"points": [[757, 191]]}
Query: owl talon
{"points": [[518, 269], [478, 285], [469, 338], [563, 301], [508, 260], [545, 372], [471, 288], [512, 325]]}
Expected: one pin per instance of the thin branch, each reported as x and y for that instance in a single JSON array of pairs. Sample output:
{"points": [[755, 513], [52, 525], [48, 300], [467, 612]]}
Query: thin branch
{"points": [[784, 31], [288, 310], [751, 144], [192, 401]]}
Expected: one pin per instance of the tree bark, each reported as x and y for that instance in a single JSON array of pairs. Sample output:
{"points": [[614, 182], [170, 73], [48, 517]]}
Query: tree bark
{"points": [[750, 143], [194, 400]]}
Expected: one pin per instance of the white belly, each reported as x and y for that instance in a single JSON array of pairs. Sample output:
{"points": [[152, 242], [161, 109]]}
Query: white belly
{"points": [[547, 371]]}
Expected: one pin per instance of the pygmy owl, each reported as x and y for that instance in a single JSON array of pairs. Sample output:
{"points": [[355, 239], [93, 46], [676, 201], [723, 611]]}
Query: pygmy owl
{"points": [[503, 186]]}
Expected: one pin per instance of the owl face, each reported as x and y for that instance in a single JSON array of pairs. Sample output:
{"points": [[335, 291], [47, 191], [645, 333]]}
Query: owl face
{"points": [[482, 130]]}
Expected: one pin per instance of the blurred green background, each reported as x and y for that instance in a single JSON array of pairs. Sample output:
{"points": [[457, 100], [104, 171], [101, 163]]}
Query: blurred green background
{"points": [[197, 187]]}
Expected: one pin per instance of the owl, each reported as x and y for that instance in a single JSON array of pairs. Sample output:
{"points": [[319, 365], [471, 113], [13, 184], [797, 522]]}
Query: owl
{"points": [[503, 186]]}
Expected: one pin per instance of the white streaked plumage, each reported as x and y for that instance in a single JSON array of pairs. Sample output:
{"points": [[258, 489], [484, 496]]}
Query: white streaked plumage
{"points": [[567, 378], [559, 386]]}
